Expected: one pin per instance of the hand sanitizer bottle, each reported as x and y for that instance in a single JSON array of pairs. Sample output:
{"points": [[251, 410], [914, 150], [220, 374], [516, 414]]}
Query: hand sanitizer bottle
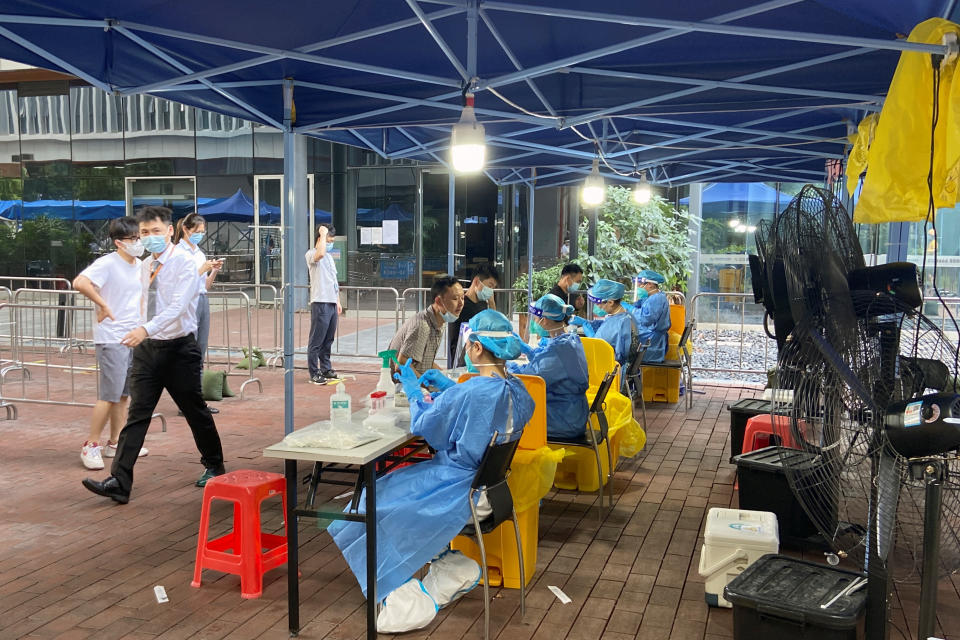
{"points": [[341, 405]]}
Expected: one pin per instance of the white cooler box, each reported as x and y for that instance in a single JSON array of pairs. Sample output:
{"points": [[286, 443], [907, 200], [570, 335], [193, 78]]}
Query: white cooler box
{"points": [[733, 540]]}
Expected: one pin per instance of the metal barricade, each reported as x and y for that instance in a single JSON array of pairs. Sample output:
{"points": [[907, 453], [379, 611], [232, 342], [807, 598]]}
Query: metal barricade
{"points": [[232, 309], [371, 316], [266, 315], [73, 330], [728, 322], [28, 282], [945, 313]]}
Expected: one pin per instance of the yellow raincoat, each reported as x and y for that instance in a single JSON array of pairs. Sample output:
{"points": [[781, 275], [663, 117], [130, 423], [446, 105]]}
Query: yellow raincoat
{"points": [[861, 141], [895, 187]]}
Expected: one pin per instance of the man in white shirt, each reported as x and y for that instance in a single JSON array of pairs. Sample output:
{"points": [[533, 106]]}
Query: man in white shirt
{"points": [[324, 306], [166, 356], [112, 283]]}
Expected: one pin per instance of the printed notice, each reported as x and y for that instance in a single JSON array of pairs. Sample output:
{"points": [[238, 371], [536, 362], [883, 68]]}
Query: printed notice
{"points": [[376, 235], [391, 232], [366, 235]]}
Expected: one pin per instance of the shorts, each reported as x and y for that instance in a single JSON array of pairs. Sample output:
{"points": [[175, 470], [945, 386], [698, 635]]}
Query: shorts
{"points": [[114, 361]]}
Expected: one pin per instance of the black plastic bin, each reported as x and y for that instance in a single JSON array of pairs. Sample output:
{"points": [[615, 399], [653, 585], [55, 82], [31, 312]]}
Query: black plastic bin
{"points": [[740, 412], [764, 487], [780, 597]]}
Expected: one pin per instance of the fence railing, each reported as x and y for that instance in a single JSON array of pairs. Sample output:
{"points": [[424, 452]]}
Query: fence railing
{"points": [[234, 324], [724, 340]]}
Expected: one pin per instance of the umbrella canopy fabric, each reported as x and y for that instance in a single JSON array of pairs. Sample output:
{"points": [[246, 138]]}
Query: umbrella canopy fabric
{"points": [[732, 90]]}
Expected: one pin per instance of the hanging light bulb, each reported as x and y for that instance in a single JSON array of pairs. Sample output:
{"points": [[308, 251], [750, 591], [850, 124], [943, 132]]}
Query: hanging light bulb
{"points": [[593, 191], [641, 191], [734, 223], [468, 145]]}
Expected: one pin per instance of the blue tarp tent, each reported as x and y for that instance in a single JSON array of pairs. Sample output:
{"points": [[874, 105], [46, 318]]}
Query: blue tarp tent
{"points": [[737, 90], [393, 212]]}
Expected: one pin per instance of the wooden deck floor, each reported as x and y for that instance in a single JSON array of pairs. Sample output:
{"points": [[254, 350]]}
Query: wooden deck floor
{"points": [[73, 565]]}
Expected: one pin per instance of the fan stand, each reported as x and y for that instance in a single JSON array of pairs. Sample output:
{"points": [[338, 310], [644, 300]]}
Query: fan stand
{"points": [[933, 473]]}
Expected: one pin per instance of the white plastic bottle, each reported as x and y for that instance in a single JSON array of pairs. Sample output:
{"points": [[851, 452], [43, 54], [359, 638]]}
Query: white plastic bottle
{"points": [[341, 406]]}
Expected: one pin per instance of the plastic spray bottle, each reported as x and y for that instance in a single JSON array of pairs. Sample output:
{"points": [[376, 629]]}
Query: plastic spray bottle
{"points": [[385, 383], [341, 404]]}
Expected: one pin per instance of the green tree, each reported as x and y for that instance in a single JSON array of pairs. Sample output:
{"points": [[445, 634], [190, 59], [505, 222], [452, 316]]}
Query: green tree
{"points": [[632, 237]]}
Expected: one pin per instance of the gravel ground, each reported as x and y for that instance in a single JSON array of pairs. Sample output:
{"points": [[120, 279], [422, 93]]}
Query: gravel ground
{"points": [[725, 349]]}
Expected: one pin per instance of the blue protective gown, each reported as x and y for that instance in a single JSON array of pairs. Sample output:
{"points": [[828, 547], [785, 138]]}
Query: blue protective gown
{"points": [[615, 330], [653, 323], [421, 508], [562, 364]]}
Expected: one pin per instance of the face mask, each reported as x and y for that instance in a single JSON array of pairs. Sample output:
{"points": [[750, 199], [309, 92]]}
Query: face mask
{"points": [[470, 367], [574, 286], [154, 244], [597, 311], [449, 317], [642, 293], [133, 249], [330, 246], [484, 294], [195, 238], [538, 330]]}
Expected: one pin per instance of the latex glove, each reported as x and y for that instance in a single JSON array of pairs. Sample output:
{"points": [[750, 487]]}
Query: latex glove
{"points": [[435, 379], [577, 321], [407, 378]]}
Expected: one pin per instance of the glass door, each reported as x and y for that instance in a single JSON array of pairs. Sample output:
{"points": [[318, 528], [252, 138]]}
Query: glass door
{"points": [[268, 213]]}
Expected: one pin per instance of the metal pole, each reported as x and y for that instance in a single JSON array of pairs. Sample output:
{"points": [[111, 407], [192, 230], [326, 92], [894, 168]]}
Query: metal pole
{"points": [[451, 226], [933, 474], [289, 175], [530, 204], [592, 238]]}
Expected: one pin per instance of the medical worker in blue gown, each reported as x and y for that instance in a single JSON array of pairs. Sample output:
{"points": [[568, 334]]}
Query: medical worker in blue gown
{"points": [[652, 315], [615, 324], [562, 364], [421, 508]]}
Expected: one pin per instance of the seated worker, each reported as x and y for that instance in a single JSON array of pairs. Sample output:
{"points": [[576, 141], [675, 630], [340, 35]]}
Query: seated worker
{"points": [[652, 315], [419, 337], [478, 296], [562, 364], [571, 277], [615, 325], [421, 508]]}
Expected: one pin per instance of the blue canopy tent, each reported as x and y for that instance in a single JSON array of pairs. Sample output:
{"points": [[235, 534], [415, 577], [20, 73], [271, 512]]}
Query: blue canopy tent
{"points": [[393, 212], [740, 197]]}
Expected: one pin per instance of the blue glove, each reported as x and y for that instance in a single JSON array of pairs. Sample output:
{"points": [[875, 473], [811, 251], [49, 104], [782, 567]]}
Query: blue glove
{"points": [[407, 378], [577, 321], [435, 379]]}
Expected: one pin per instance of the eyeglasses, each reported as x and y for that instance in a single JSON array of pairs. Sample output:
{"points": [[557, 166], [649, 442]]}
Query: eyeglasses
{"points": [[130, 238]]}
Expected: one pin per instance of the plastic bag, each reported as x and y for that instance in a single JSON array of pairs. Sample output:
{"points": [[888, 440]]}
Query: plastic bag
{"points": [[325, 435]]}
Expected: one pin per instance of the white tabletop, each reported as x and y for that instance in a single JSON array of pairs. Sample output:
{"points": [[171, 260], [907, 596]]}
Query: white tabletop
{"points": [[358, 455]]}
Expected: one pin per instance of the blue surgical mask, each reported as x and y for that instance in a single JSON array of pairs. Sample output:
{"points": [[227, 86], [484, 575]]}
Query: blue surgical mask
{"points": [[154, 244], [597, 311], [642, 293], [538, 330], [195, 238], [485, 293], [470, 367], [330, 246], [574, 286], [449, 317]]}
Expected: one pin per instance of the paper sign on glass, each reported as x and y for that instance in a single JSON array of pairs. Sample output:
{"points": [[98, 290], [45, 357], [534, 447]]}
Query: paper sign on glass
{"points": [[377, 235], [391, 232], [366, 235]]}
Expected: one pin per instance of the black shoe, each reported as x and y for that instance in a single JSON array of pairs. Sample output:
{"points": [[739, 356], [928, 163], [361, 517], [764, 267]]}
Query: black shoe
{"points": [[109, 488], [209, 473], [330, 374], [317, 379]]}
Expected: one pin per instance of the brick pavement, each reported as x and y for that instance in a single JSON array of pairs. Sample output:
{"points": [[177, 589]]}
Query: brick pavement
{"points": [[73, 565]]}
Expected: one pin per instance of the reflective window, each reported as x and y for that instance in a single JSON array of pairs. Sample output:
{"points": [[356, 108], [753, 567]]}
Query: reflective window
{"points": [[267, 150], [45, 130], [224, 144], [159, 137], [226, 203], [9, 135], [97, 124]]}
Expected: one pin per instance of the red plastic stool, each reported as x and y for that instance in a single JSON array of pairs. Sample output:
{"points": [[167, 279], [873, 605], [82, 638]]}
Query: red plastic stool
{"points": [[763, 426], [253, 552]]}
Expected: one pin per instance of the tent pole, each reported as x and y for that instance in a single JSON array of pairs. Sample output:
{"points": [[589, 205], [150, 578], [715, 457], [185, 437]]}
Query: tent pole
{"points": [[289, 177]]}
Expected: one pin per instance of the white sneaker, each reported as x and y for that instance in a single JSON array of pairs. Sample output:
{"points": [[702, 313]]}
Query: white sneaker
{"points": [[110, 450], [90, 456]]}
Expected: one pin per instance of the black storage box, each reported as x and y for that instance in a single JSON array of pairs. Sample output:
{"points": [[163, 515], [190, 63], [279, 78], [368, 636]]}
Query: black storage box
{"points": [[780, 597], [740, 412], [764, 487]]}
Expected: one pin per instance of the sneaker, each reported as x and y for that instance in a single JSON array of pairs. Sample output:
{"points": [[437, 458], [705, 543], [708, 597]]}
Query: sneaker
{"points": [[110, 450], [207, 474], [317, 379], [90, 456], [330, 374]]}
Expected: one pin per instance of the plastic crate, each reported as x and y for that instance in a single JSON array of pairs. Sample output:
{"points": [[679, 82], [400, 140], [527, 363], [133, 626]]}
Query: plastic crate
{"points": [[780, 597], [764, 487]]}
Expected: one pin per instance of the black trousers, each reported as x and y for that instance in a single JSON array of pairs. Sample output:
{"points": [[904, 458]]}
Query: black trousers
{"points": [[323, 329], [173, 365]]}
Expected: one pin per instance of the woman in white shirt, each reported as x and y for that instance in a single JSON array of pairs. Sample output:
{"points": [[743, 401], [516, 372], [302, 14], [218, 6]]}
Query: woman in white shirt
{"points": [[189, 234]]}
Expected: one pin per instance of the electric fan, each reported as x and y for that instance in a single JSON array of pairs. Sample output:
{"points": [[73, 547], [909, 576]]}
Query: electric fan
{"points": [[875, 412]]}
